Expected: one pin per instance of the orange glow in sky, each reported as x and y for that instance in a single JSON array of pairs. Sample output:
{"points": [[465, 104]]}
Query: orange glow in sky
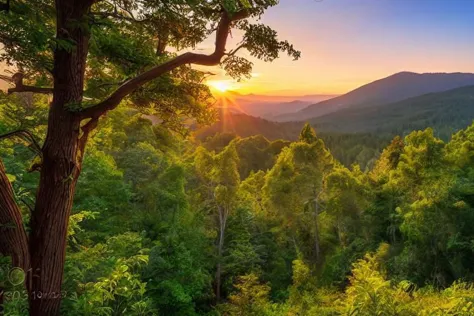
{"points": [[223, 85], [349, 43]]}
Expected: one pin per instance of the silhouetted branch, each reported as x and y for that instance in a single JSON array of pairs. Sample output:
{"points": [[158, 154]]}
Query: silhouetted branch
{"points": [[234, 51], [131, 85], [17, 80]]}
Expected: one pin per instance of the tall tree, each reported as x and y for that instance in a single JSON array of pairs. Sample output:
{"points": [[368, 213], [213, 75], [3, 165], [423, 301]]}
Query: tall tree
{"points": [[91, 55], [221, 177], [295, 183]]}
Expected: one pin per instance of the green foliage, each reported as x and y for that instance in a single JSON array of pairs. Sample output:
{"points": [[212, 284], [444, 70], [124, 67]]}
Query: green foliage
{"points": [[361, 148], [294, 199], [152, 211], [369, 292], [28, 34], [251, 298], [127, 38], [261, 42], [175, 276], [308, 135]]}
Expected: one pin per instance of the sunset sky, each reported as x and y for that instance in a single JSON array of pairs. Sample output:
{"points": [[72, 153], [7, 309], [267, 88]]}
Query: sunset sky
{"points": [[347, 43]]}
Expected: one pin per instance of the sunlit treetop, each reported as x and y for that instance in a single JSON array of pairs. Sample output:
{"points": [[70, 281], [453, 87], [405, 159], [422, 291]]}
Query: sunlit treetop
{"points": [[308, 134], [135, 50]]}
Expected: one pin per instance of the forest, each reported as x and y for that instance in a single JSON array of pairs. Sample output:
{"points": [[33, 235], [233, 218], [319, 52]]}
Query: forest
{"points": [[110, 203], [166, 225]]}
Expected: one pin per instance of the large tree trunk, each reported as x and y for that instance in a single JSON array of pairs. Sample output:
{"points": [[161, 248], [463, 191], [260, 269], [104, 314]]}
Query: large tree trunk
{"points": [[14, 242], [49, 221], [61, 163]]}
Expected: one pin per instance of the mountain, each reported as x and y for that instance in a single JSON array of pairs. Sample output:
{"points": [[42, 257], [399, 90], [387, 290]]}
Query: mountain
{"points": [[266, 106], [446, 112], [358, 134], [268, 98], [269, 110], [245, 125], [394, 88], [347, 148]]}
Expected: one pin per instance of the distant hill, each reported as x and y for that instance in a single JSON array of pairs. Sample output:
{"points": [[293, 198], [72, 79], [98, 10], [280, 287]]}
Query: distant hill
{"points": [[347, 148], [269, 110], [266, 106], [245, 125], [446, 112], [358, 134], [395, 88]]}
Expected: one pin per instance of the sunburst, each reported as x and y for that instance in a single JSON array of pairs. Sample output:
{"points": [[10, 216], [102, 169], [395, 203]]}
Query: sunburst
{"points": [[222, 85]]}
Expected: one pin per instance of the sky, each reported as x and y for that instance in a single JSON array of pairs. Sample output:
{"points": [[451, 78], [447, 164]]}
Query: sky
{"points": [[348, 43]]}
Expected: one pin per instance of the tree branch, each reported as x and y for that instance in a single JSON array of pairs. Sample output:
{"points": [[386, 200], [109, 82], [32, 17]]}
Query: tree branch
{"points": [[234, 51], [131, 85], [206, 75], [119, 16], [86, 130], [17, 80], [81, 147], [28, 136], [108, 84], [13, 238]]}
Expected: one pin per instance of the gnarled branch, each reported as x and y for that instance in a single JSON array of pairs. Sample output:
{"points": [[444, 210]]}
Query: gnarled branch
{"points": [[17, 80], [28, 136], [131, 85], [86, 130], [234, 51]]}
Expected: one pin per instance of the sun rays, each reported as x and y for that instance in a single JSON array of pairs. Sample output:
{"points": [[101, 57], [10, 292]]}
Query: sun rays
{"points": [[223, 85]]}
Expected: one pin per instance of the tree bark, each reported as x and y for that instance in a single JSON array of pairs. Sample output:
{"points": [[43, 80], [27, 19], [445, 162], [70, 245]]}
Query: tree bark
{"points": [[61, 163], [49, 221], [14, 242]]}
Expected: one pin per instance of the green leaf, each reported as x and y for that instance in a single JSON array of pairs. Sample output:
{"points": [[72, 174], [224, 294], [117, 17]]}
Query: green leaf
{"points": [[11, 178], [246, 3]]}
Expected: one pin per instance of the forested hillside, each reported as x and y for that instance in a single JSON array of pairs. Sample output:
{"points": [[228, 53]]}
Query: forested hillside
{"points": [[245, 125], [247, 226], [266, 106], [446, 112], [348, 148], [394, 88], [358, 135]]}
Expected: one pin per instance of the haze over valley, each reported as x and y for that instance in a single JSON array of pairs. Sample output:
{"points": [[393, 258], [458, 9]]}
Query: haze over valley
{"points": [[389, 106]]}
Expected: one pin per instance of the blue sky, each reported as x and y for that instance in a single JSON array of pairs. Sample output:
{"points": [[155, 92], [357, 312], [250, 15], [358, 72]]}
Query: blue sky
{"points": [[346, 43]]}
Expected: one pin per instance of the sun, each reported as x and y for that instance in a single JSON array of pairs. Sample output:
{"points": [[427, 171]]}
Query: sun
{"points": [[222, 85]]}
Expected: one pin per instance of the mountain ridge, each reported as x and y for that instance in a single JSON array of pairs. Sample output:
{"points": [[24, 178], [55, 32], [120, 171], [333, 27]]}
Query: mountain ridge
{"points": [[446, 111], [397, 87]]}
